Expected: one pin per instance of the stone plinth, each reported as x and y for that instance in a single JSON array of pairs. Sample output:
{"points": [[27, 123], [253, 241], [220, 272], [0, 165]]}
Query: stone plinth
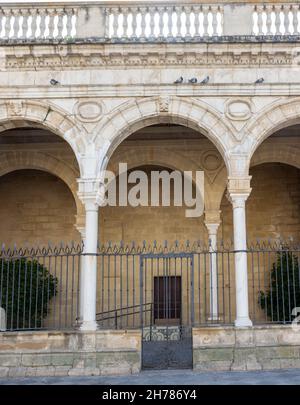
{"points": [[70, 353], [257, 348]]}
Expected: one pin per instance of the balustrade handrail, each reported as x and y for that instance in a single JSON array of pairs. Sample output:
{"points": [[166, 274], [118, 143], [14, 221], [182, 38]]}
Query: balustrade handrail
{"points": [[139, 21]]}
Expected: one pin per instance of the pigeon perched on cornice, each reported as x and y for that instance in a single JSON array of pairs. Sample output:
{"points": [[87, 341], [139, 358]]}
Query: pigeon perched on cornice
{"points": [[205, 81], [178, 81]]}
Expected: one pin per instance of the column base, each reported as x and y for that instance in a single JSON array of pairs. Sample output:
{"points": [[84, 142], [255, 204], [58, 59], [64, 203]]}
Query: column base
{"points": [[243, 322], [88, 326]]}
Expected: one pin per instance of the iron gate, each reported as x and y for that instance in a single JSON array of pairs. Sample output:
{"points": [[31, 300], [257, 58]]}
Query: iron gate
{"points": [[167, 283]]}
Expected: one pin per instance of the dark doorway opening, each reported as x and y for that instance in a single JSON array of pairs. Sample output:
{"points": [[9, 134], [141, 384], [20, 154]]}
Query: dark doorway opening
{"points": [[167, 300]]}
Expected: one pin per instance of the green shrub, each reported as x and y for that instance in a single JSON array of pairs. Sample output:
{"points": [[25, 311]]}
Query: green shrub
{"points": [[284, 292], [26, 288]]}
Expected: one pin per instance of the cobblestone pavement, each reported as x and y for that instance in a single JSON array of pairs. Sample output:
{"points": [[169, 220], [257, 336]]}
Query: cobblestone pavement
{"points": [[171, 377]]}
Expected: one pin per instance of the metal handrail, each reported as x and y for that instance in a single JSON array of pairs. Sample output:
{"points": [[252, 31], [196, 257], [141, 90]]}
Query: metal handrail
{"points": [[116, 316]]}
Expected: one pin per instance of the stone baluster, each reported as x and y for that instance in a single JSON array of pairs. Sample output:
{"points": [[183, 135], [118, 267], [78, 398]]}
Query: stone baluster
{"points": [[51, 13], [188, 21], [134, 12], [16, 24], [161, 21], [268, 10], [60, 23], [286, 19], [24, 28], [42, 14], [143, 11], [152, 12], [214, 10], [221, 20], [115, 23], [260, 23], [196, 11], [277, 10], [69, 23], [7, 27], [107, 33], [178, 21], [33, 13], [2, 15], [125, 13], [205, 10], [295, 9], [170, 21]]}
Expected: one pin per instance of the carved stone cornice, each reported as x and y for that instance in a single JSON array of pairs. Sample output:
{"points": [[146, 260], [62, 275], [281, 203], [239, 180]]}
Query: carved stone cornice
{"points": [[78, 56]]}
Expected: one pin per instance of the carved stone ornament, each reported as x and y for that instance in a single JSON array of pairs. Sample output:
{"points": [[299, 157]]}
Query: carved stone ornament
{"points": [[238, 109], [164, 104], [88, 111], [15, 108], [211, 161]]}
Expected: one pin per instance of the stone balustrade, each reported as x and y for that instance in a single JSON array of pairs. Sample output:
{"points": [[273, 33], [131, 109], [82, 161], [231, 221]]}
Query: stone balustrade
{"points": [[276, 19], [173, 21]]}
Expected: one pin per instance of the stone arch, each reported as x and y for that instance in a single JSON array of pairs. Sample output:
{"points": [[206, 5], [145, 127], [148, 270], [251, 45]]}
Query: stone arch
{"points": [[174, 161], [274, 117], [286, 154], [12, 161], [159, 157], [28, 113], [134, 115]]}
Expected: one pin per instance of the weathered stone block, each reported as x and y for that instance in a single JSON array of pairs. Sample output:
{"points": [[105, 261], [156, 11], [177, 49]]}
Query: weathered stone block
{"points": [[47, 371], [61, 370], [62, 359], [213, 366], [4, 371], [17, 372], [36, 359], [10, 360], [217, 354], [84, 371]]}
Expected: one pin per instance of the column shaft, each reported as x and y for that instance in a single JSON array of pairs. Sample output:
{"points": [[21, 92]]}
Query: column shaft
{"points": [[241, 271], [89, 270]]}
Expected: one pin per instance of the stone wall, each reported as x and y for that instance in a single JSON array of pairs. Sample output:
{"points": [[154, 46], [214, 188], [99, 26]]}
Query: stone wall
{"points": [[70, 353], [273, 206], [35, 208], [258, 348]]}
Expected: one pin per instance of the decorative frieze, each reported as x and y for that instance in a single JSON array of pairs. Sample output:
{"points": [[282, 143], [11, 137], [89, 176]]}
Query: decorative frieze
{"points": [[99, 56]]}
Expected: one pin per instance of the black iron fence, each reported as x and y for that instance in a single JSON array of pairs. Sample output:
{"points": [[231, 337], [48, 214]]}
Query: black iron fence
{"points": [[274, 282], [142, 286], [39, 287]]}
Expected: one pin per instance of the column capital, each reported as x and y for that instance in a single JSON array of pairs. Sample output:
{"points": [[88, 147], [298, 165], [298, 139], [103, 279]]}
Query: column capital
{"points": [[91, 192], [81, 230], [238, 189], [212, 217], [212, 227]]}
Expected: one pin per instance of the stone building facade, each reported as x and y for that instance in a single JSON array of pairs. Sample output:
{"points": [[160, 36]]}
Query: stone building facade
{"points": [[84, 88]]}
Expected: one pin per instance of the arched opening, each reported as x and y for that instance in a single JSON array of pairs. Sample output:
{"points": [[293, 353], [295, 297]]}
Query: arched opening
{"points": [[38, 212], [36, 208], [155, 148], [38, 181], [273, 227]]}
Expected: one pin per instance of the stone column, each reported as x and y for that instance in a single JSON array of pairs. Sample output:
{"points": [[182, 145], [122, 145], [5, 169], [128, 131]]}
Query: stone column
{"points": [[81, 230], [89, 195], [238, 192], [212, 222]]}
